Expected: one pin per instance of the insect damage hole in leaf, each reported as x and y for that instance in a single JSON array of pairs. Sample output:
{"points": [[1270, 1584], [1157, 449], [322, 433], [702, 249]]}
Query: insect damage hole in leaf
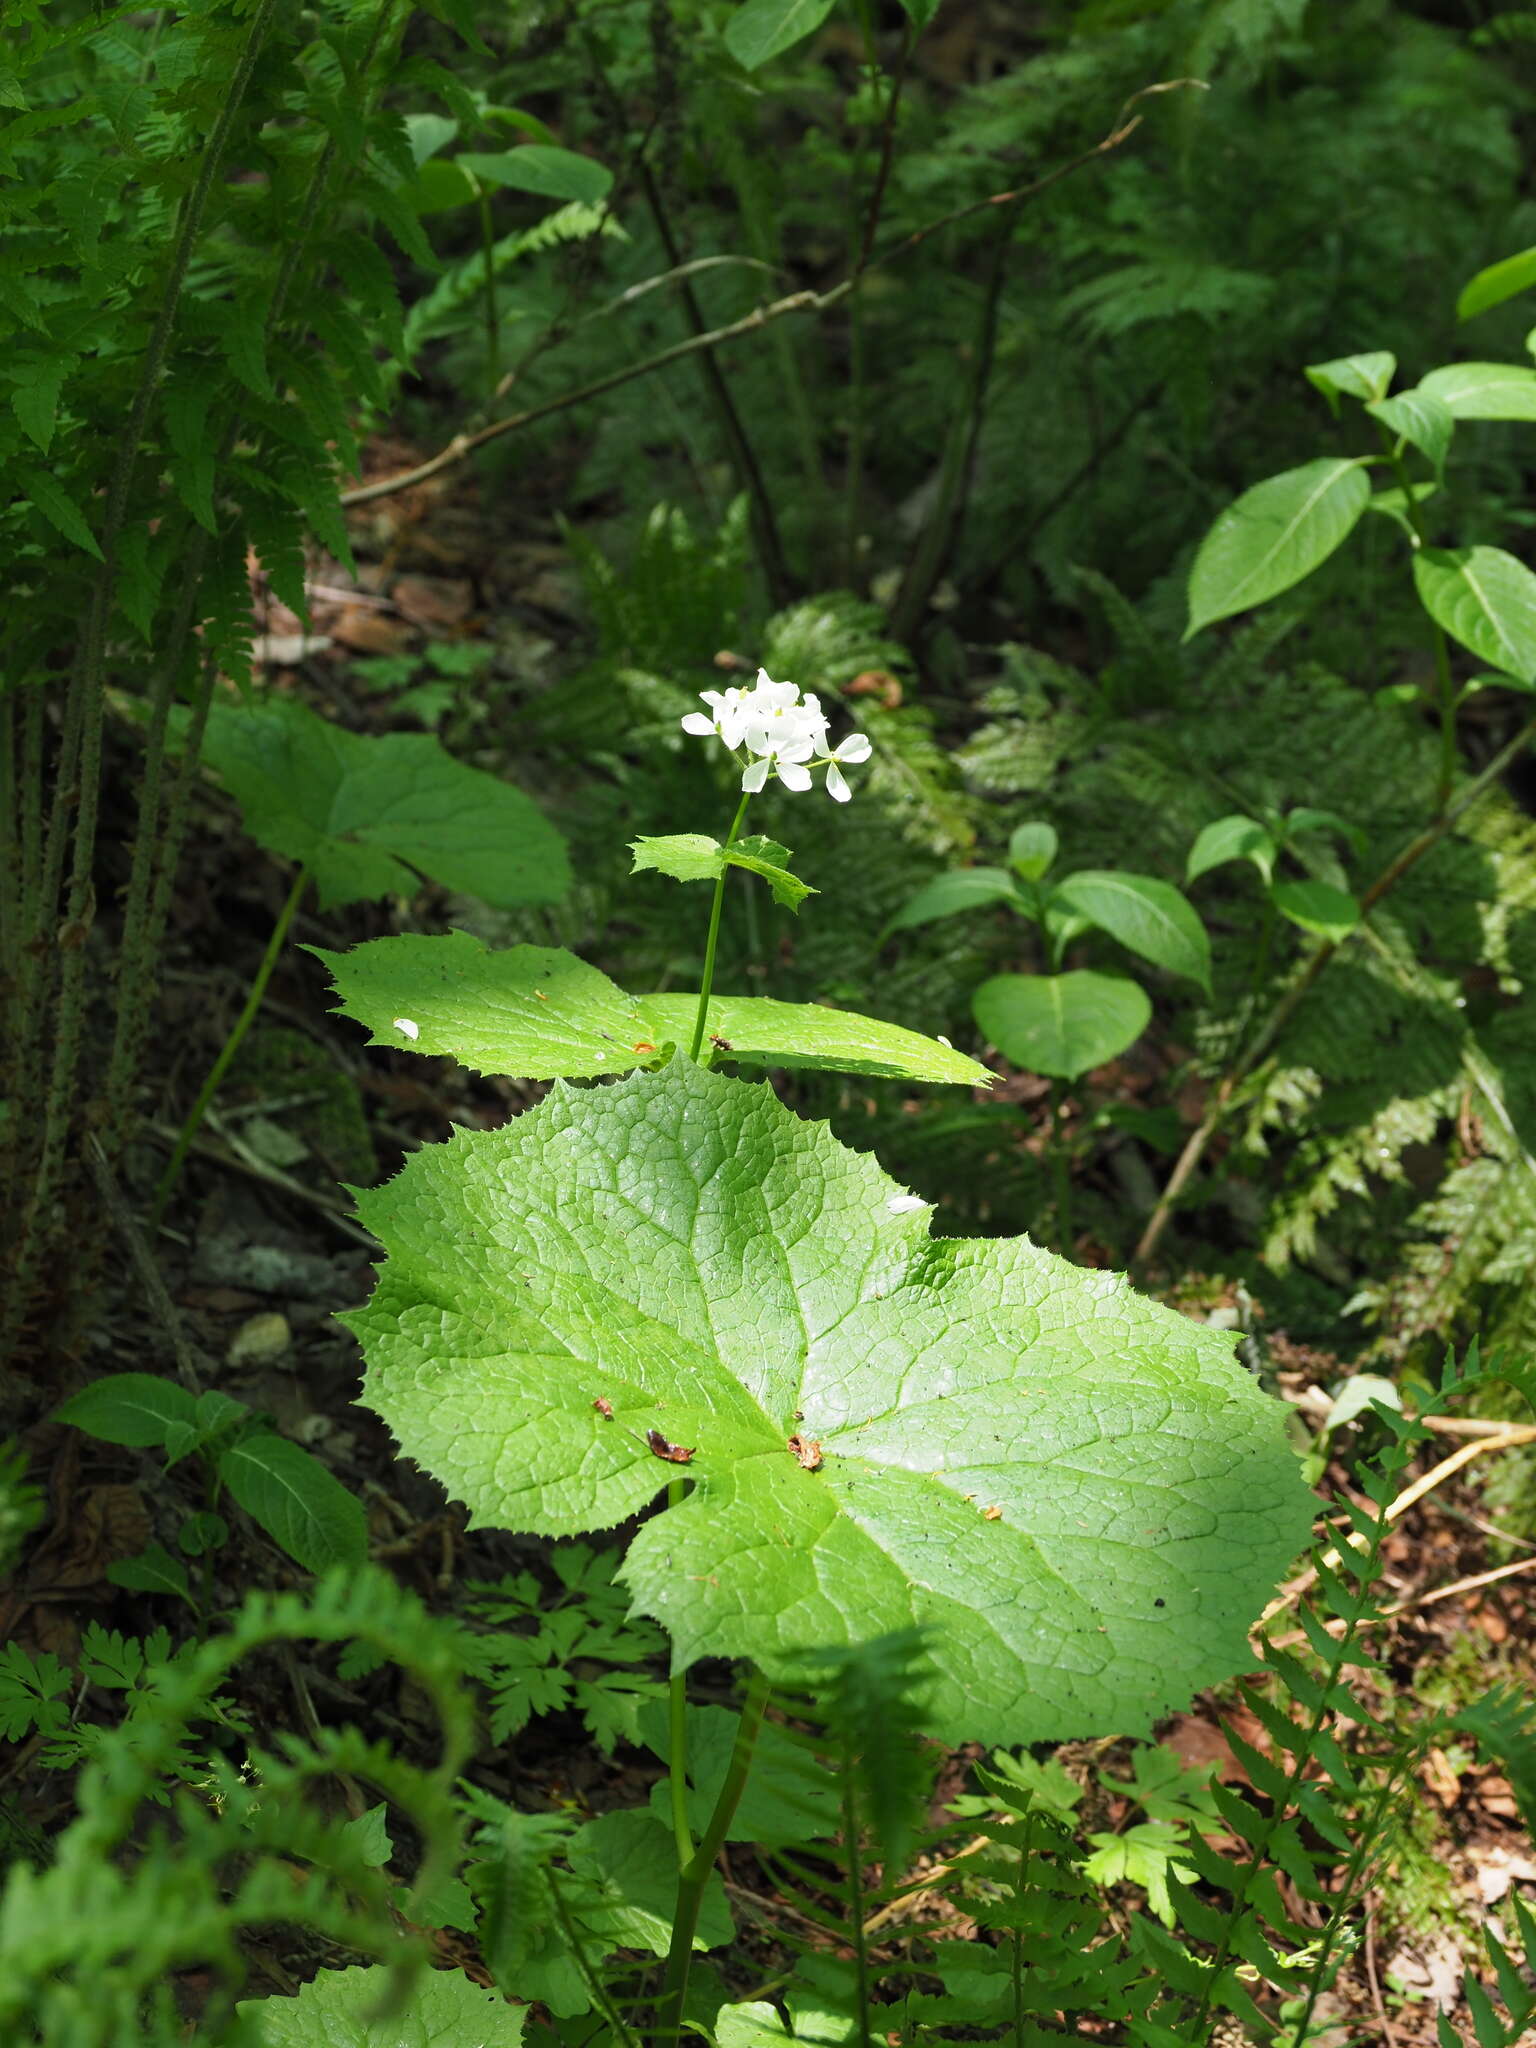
{"points": [[681, 1245]]}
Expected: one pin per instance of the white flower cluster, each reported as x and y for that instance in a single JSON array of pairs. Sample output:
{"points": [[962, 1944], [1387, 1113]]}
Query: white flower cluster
{"points": [[780, 732]]}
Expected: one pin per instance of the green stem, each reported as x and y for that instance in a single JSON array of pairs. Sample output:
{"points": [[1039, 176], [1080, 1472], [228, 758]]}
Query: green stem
{"points": [[713, 941], [677, 1738], [695, 1873], [1443, 678], [231, 1045], [1266, 940], [1061, 1172], [492, 317]]}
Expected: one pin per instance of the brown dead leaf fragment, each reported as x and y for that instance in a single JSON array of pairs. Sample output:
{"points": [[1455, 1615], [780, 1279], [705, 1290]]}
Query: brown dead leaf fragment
{"points": [[675, 1454], [807, 1450], [604, 1407], [991, 1514]]}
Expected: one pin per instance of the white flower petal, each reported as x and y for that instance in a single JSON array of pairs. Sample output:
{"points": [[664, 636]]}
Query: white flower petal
{"points": [[754, 778], [696, 723], [407, 1029], [792, 774], [903, 1205], [837, 788], [854, 749]]}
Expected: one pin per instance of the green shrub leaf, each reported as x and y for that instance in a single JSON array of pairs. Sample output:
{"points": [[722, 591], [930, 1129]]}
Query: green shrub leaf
{"points": [[1273, 536], [961, 889], [1147, 916], [1366, 377], [1421, 418], [1061, 1024], [1484, 598], [1231, 838], [1317, 907], [136, 1408], [1498, 282], [372, 815], [296, 1500], [540, 1013], [1078, 1490], [534, 167], [761, 29], [1484, 391]]}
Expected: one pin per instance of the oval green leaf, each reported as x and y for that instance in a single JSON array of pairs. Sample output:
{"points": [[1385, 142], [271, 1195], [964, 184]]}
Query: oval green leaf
{"points": [[1061, 1024], [760, 29], [1422, 419], [1484, 598], [961, 889], [1317, 907], [1366, 377], [539, 1013], [1273, 536], [133, 1408], [303, 1507], [1484, 391], [1498, 282], [552, 173], [1078, 1491], [1031, 849], [1232, 838], [1148, 916]]}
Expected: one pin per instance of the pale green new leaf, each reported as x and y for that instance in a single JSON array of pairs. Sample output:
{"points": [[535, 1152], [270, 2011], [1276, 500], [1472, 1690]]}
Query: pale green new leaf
{"points": [[1078, 1491], [695, 857], [1231, 838], [1498, 282], [1061, 1024], [961, 889], [301, 1505], [1273, 536], [337, 2009], [1484, 598], [1031, 849], [1421, 418], [1484, 391], [1366, 377], [539, 1013], [371, 815], [1148, 916], [760, 29]]}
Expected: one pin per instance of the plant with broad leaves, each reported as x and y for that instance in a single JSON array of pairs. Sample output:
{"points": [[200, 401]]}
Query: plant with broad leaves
{"points": [[1312, 904], [364, 817], [302, 1506], [1064, 1022], [1281, 530], [669, 1293]]}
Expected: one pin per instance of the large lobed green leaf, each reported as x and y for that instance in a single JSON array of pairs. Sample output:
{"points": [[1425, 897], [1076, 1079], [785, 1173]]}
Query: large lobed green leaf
{"points": [[338, 2009], [372, 814], [1079, 1491], [540, 1013]]}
